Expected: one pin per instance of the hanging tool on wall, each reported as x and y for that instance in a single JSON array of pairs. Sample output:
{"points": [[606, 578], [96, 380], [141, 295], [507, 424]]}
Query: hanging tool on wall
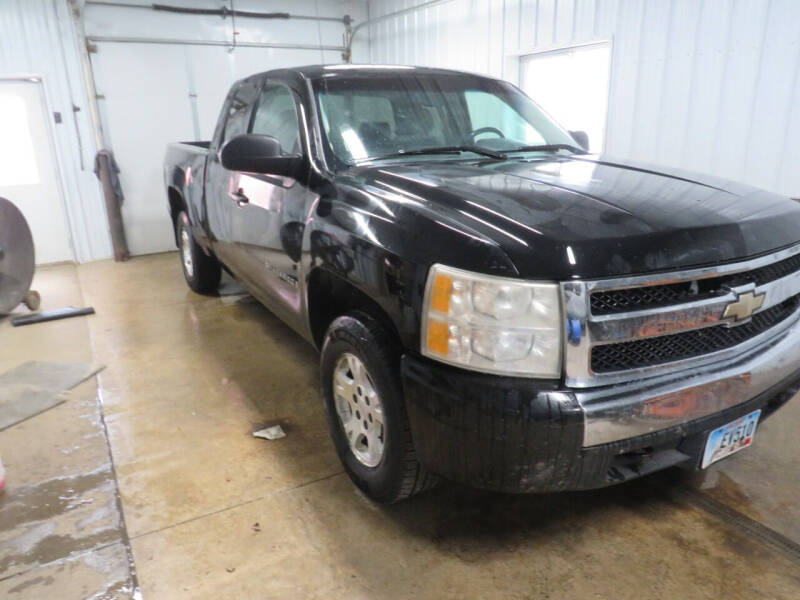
{"points": [[107, 171]]}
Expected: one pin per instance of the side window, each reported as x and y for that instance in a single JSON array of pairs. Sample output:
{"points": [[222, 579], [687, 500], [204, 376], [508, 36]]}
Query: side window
{"points": [[238, 112], [276, 115]]}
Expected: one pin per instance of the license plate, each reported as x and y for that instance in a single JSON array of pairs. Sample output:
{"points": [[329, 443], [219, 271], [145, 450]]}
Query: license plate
{"points": [[730, 438]]}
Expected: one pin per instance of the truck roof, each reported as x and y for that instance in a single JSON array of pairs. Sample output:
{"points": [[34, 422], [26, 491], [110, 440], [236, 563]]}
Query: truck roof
{"points": [[317, 71]]}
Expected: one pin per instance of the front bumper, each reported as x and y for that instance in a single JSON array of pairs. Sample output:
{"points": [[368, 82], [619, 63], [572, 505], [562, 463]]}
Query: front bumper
{"points": [[526, 435]]}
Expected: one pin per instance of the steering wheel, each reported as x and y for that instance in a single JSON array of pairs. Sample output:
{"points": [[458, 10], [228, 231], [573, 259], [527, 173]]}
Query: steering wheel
{"points": [[476, 132]]}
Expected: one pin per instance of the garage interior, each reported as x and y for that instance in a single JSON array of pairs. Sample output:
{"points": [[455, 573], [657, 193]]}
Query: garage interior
{"points": [[144, 480]]}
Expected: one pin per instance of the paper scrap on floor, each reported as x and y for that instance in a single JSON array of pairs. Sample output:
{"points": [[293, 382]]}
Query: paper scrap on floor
{"points": [[275, 432]]}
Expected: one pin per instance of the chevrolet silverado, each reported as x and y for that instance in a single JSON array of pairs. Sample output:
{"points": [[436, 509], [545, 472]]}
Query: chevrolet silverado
{"points": [[492, 303]]}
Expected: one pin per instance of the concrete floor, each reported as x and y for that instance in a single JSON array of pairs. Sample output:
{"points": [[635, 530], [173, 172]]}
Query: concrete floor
{"points": [[192, 506]]}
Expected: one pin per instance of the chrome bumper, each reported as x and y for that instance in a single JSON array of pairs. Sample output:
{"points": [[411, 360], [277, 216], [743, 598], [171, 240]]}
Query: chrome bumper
{"points": [[646, 405]]}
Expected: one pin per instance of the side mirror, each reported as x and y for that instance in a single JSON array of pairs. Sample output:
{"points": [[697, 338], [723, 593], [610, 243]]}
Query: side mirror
{"points": [[581, 137], [253, 153]]}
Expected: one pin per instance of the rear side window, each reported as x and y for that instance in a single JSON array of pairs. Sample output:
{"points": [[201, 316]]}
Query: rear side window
{"points": [[239, 112], [276, 115]]}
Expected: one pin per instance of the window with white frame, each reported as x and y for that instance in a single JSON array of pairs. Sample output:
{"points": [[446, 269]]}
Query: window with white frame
{"points": [[572, 85], [17, 157]]}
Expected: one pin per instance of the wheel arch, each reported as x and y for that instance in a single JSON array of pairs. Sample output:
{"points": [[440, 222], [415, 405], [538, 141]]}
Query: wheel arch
{"points": [[331, 296], [177, 203]]}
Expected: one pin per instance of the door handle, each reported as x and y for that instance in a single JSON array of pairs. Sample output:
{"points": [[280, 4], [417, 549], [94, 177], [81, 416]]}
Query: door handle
{"points": [[240, 197]]}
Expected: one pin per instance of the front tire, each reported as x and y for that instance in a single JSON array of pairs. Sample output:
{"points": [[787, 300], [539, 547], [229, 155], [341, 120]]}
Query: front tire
{"points": [[366, 412], [202, 272]]}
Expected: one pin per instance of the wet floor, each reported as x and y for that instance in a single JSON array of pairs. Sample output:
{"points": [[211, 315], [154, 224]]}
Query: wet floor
{"points": [[61, 529], [208, 511]]}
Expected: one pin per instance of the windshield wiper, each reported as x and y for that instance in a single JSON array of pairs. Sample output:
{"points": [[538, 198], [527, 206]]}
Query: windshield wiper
{"points": [[548, 148], [437, 150]]}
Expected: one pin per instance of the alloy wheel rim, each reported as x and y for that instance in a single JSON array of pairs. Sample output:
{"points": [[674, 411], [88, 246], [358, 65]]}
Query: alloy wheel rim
{"points": [[186, 252], [359, 409]]}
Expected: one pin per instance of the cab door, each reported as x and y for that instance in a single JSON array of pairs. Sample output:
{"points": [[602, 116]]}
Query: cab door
{"points": [[222, 198], [270, 218]]}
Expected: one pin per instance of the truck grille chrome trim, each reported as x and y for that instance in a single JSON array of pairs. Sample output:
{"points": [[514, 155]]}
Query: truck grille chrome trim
{"points": [[645, 406], [760, 298], [687, 344], [654, 296]]}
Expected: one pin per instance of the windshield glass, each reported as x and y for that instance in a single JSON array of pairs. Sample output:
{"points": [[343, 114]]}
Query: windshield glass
{"points": [[380, 115]]}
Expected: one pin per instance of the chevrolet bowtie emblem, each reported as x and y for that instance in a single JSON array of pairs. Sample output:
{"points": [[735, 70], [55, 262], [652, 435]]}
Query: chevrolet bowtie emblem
{"points": [[743, 307]]}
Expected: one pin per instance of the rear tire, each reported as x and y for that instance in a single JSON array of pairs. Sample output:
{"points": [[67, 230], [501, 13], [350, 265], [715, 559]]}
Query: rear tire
{"points": [[382, 462], [202, 272]]}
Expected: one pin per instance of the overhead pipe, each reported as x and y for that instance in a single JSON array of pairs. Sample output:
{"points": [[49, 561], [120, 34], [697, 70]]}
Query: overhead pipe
{"points": [[350, 33], [226, 43], [221, 12]]}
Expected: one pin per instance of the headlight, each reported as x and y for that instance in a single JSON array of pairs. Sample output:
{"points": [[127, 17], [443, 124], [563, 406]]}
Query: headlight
{"points": [[492, 324]]}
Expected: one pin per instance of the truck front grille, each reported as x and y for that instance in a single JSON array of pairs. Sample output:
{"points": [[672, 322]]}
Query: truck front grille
{"points": [[670, 348], [642, 298], [652, 324]]}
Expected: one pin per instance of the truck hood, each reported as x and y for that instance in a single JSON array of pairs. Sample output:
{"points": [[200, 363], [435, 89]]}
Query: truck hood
{"points": [[594, 216]]}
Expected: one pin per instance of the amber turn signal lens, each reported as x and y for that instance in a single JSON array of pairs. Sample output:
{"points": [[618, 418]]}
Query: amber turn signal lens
{"points": [[440, 296], [438, 335]]}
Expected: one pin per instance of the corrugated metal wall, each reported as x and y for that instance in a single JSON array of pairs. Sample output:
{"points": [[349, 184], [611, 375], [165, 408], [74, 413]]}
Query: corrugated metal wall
{"points": [[37, 38], [707, 85]]}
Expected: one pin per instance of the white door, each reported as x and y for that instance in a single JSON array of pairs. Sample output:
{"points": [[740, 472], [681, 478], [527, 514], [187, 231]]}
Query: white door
{"points": [[571, 84], [155, 94], [28, 175]]}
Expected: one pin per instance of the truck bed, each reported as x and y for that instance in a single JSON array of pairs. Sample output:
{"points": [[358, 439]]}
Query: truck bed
{"points": [[184, 166], [182, 152], [202, 144]]}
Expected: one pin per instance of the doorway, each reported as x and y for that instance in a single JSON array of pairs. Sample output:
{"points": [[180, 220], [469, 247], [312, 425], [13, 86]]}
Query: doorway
{"points": [[28, 171], [571, 84]]}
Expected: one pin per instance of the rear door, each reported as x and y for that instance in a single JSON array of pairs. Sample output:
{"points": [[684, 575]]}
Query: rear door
{"points": [[222, 196]]}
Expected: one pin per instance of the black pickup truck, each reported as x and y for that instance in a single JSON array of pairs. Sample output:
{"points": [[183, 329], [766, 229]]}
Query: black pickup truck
{"points": [[493, 304]]}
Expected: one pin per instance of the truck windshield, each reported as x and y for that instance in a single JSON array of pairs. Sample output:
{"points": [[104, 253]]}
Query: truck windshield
{"points": [[374, 116]]}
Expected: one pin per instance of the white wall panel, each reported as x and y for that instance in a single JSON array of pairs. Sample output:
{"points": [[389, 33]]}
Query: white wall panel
{"points": [[37, 37], [148, 92], [707, 85]]}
